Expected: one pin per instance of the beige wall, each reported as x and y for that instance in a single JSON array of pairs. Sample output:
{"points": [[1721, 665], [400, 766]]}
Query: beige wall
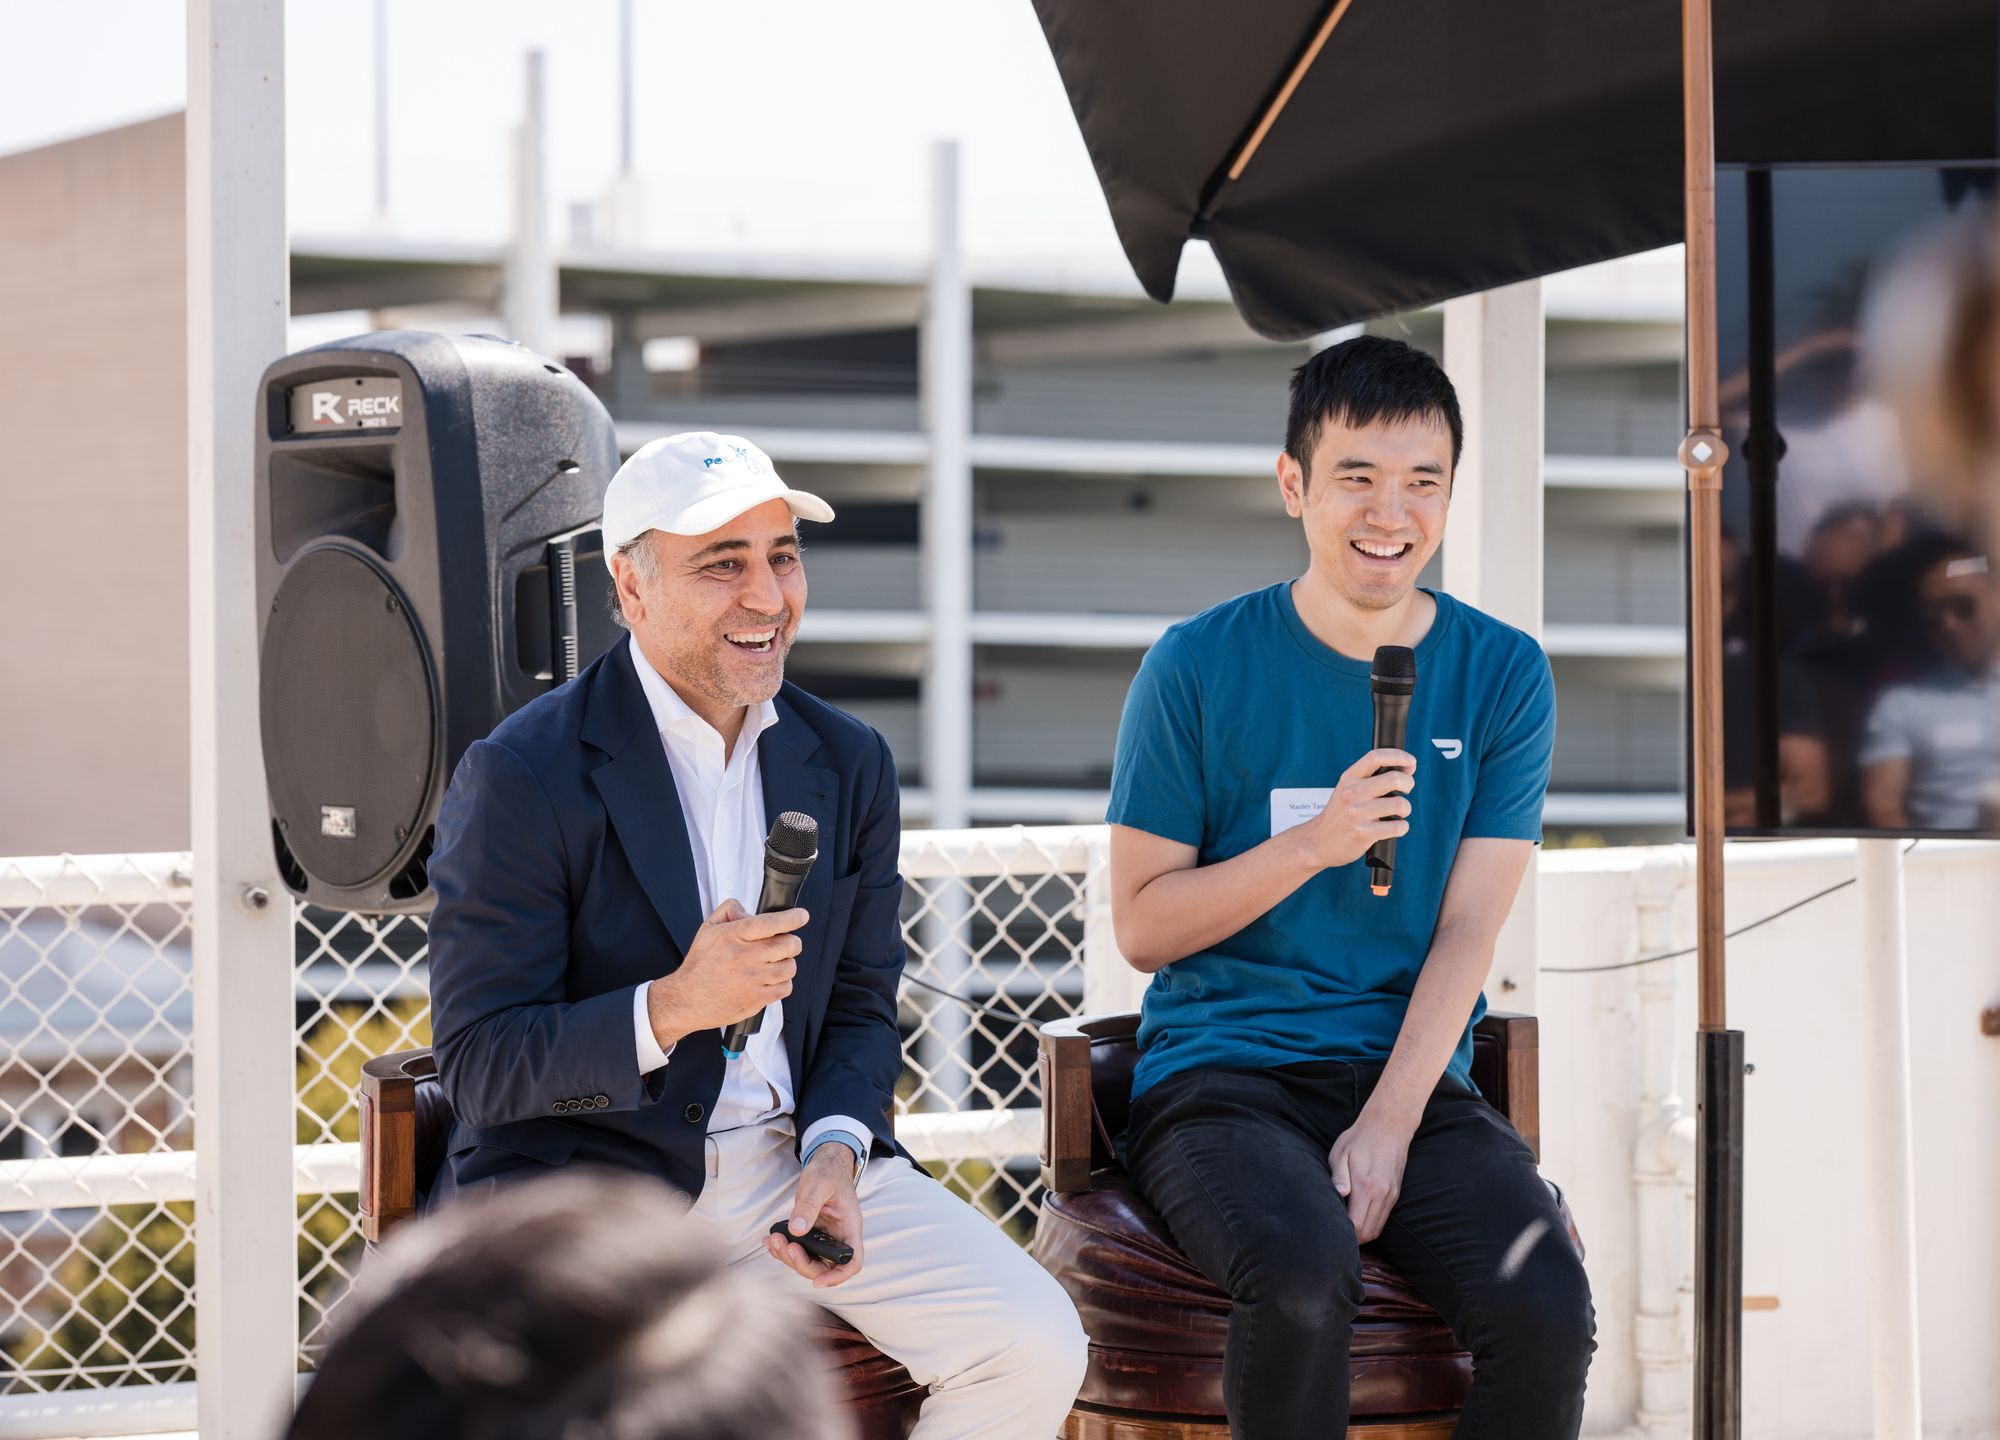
{"points": [[93, 495]]}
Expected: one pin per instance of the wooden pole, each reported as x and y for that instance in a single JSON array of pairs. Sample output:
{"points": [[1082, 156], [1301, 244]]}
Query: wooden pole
{"points": [[1719, 1050], [1703, 454], [1284, 95]]}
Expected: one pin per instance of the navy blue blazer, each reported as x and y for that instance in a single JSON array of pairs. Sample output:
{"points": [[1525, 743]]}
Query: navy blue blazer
{"points": [[564, 879]]}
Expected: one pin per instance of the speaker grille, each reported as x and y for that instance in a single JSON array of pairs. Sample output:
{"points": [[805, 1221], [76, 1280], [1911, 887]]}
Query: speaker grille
{"points": [[349, 716]]}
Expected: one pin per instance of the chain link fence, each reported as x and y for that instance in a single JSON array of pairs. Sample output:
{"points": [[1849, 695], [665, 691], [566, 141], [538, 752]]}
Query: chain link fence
{"points": [[96, 1083], [96, 1078]]}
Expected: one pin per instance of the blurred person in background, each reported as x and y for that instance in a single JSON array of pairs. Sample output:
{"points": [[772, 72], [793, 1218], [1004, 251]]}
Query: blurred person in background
{"points": [[1844, 540], [585, 1304], [1930, 755], [1931, 349]]}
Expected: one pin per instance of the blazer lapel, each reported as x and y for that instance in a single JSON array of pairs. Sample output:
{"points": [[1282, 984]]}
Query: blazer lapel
{"points": [[637, 787], [793, 782]]}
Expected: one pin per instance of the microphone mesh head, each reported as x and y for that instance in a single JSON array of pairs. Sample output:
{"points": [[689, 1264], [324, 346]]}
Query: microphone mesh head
{"points": [[1395, 665], [795, 836]]}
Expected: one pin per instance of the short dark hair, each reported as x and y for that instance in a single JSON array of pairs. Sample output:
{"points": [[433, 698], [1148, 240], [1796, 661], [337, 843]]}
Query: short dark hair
{"points": [[1363, 380], [585, 1303]]}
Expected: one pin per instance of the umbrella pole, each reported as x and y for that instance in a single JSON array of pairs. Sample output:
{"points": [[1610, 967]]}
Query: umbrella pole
{"points": [[1719, 1127]]}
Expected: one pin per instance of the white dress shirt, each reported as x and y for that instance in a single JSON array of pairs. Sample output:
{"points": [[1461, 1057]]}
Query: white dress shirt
{"points": [[722, 801]]}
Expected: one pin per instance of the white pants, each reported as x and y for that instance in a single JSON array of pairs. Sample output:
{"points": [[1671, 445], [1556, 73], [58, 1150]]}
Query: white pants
{"points": [[942, 1290]]}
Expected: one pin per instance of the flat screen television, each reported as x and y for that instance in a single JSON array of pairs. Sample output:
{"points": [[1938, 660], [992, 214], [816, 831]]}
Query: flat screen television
{"points": [[1861, 670]]}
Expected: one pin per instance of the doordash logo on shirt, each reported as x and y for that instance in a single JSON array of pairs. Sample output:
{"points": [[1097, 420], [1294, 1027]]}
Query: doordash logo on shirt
{"points": [[1450, 749]]}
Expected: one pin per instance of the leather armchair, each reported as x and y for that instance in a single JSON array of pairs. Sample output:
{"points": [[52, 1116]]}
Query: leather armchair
{"points": [[1156, 1324], [405, 1119]]}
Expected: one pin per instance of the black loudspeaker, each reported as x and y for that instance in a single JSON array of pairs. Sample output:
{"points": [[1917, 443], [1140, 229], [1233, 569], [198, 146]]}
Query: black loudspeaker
{"points": [[424, 505]]}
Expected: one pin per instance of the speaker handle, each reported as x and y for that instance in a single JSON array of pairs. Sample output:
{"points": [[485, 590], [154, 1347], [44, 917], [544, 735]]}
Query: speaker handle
{"points": [[565, 634]]}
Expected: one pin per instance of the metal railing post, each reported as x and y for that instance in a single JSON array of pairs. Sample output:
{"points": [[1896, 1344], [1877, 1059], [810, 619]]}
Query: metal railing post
{"points": [[238, 297]]}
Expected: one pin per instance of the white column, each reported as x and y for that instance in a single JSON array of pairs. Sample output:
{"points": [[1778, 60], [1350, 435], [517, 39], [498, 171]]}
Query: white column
{"points": [[238, 291], [530, 295], [945, 392], [1493, 539], [626, 202], [1887, 1162], [380, 219]]}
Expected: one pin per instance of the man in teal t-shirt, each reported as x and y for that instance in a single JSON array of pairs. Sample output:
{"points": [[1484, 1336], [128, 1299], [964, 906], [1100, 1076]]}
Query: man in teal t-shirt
{"points": [[1304, 1082]]}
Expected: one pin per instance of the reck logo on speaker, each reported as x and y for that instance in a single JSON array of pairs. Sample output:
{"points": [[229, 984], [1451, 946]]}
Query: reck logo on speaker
{"points": [[336, 822], [370, 412]]}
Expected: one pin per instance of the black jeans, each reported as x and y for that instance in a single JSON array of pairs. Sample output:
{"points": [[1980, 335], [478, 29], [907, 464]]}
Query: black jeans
{"points": [[1236, 1162]]}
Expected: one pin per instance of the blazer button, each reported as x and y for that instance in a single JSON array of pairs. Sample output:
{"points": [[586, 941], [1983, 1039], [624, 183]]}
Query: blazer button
{"points": [[602, 1102], [693, 1114]]}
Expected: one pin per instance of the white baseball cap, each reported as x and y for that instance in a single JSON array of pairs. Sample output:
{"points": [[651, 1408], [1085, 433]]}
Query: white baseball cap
{"points": [[690, 484]]}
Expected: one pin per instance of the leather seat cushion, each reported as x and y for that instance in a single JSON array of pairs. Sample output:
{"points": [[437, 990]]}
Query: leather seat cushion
{"points": [[1157, 1325], [882, 1397]]}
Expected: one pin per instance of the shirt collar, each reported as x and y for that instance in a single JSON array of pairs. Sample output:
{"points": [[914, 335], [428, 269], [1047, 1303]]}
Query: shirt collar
{"points": [[673, 715]]}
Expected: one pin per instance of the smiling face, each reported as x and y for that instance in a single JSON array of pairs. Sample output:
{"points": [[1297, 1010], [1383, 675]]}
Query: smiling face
{"points": [[716, 613], [1373, 499]]}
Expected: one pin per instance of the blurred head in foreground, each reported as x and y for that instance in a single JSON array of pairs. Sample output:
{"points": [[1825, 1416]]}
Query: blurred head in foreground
{"points": [[1931, 348], [586, 1306]]}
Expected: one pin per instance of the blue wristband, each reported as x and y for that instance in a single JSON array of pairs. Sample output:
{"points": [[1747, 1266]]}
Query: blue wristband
{"points": [[852, 1142]]}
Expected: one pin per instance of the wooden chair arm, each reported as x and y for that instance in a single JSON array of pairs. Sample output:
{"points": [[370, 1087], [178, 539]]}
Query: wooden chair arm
{"points": [[1071, 1129], [389, 1139], [1520, 1078], [1064, 1065]]}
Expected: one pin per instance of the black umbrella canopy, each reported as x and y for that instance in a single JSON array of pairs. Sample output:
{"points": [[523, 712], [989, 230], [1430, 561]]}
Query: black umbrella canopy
{"points": [[1433, 148]]}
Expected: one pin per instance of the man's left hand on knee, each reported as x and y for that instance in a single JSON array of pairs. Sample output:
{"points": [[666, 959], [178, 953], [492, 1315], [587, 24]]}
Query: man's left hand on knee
{"points": [[1367, 1163], [826, 1200]]}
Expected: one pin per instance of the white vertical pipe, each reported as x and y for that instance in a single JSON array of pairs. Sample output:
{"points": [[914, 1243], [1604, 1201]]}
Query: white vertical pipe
{"points": [[1493, 539], [624, 87], [945, 392], [1662, 1173], [626, 202], [238, 288], [944, 385], [1887, 1156], [530, 286], [381, 112]]}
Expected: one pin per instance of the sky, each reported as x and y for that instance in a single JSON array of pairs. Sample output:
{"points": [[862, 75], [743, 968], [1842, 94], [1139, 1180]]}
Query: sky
{"points": [[760, 125]]}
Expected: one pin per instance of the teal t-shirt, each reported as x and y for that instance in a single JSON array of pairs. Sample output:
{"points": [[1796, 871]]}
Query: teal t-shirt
{"points": [[1239, 721]]}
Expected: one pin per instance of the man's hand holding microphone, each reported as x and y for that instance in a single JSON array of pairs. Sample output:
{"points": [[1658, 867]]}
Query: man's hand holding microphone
{"points": [[738, 964], [1368, 805]]}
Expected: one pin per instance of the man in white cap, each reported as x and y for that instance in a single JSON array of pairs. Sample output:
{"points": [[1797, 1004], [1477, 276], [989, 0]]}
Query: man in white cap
{"points": [[596, 861]]}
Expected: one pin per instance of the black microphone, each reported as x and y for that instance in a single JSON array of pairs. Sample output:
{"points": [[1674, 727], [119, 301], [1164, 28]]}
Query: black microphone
{"points": [[788, 853], [1394, 681]]}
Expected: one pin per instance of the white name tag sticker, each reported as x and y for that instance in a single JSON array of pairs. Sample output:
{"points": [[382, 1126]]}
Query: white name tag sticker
{"points": [[1293, 807]]}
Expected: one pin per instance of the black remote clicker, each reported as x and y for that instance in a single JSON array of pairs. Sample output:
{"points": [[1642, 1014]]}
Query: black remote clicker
{"points": [[816, 1243]]}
